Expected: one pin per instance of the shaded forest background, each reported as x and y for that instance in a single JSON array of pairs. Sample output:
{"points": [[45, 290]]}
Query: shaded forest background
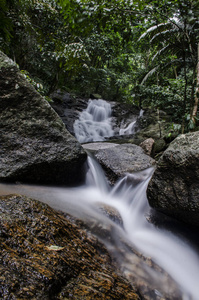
{"points": [[142, 52]]}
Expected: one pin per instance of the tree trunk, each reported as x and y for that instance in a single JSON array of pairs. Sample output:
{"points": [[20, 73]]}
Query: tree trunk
{"points": [[175, 72], [195, 108], [192, 100]]}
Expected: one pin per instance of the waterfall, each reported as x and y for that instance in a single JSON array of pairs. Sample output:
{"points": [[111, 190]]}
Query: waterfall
{"points": [[131, 237], [135, 234], [94, 123], [129, 129]]}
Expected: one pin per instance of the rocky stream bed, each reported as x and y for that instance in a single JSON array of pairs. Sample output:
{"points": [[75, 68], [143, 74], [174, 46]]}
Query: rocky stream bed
{"points": [[46, 254]]}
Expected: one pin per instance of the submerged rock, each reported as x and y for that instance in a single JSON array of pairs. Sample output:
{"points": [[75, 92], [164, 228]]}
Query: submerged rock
{"points": [[174, 187], [122, 159], [111, 213], [35, 145], [45, 256]]}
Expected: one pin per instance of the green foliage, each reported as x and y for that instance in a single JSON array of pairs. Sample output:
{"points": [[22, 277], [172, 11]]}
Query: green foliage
{"points": [[95, 47], [5, 24], [37, 84], [175, 36], [168, 97]]}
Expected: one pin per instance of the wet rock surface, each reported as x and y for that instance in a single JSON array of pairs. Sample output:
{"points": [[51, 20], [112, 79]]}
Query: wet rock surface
{"points": [[112, 213], [35, 145], [68, 107], [122, 159], [94, 147], [123, 114], [46, 256], [174, 187], [147, 145]]}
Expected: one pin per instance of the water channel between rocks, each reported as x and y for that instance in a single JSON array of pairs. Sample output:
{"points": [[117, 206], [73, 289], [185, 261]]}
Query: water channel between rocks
{"points": [[129, 232], [122, 219]]}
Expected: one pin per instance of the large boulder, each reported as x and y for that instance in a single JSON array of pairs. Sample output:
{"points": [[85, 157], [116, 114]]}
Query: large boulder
{"points": [[174, 187], [45, 256], [122, 159], [34, 143]]}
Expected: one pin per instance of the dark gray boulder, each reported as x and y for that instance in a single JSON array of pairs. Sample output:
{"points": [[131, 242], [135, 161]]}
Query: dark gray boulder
{"points": [[122, 159], [34, 143], [174, 187]]}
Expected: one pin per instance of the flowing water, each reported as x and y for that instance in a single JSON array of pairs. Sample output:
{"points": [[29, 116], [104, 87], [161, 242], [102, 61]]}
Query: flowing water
{"points": [[129, 232], [122, 219], [130, 128], [94, 123]]}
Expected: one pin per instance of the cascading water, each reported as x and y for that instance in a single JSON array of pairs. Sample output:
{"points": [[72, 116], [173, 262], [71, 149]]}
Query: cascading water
{"points": [[134, 234], [132, 240], [94, 123], [130, 129]]}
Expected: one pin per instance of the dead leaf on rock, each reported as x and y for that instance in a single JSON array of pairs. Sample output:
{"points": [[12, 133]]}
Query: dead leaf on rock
{"points": [[54, 248]]}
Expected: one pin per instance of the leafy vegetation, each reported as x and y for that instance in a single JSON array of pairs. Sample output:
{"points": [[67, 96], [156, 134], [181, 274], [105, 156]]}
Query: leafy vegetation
{"points": [[142, 52]]}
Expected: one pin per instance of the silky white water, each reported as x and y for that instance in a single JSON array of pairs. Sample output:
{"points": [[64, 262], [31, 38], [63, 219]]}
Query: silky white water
{"points": [[94, 123], [128, 199], [130, 128]]}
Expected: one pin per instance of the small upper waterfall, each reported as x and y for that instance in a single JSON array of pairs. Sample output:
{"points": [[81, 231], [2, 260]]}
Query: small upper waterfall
{"points": [[130, 129], [94, 123]]}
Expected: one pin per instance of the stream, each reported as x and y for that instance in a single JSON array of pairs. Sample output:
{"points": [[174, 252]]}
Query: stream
{"points": [[134, 232], [137, 238]]}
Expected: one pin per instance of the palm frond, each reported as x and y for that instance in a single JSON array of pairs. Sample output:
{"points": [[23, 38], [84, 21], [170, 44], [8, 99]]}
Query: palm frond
{"points": [[162, 34], [161, 51], [150, 73], [161, 66], [175, 23], [153, 28]]}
